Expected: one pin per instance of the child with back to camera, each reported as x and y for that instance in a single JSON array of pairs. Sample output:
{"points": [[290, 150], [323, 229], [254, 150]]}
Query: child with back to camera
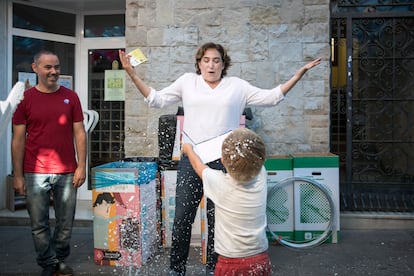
{"points": [[239, 196]]}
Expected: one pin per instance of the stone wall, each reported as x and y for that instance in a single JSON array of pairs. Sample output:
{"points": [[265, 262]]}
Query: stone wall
{"points": [[267, 40]]}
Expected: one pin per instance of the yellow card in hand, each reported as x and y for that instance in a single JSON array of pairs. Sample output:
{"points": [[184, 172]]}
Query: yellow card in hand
{"points": [[137, 57]]}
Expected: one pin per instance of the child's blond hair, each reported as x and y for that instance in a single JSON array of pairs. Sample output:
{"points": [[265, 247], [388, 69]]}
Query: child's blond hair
{"points": [[243, 154]]}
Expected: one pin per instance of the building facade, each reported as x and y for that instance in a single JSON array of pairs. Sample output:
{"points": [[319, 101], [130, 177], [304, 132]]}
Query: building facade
{"points": [[267, 42]]}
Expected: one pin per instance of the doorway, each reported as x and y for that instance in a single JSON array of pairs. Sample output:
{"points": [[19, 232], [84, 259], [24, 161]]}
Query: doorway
{"points": [[372, 104], [106, 142]]}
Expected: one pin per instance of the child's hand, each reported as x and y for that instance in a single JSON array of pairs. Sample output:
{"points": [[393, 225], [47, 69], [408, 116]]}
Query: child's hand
{"points": [[186, 148]]}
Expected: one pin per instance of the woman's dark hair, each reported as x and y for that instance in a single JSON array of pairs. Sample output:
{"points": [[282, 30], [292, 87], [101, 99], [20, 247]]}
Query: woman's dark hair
{"points": [[223, 52]]}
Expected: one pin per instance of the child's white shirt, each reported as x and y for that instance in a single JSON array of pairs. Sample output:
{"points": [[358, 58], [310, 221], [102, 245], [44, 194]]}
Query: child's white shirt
{"points": [[240, 213]]}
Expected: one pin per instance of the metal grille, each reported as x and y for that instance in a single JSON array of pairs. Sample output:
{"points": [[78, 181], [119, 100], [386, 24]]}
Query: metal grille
{"points": [[372, 110], [374, 5]]}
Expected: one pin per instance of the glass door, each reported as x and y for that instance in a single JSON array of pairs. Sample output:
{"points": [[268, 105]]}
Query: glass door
{"points": [[95, 56], [106, 141]]}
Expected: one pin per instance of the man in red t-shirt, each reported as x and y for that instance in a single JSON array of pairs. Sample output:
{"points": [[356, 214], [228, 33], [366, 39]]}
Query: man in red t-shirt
{"points": [[49, 156]]}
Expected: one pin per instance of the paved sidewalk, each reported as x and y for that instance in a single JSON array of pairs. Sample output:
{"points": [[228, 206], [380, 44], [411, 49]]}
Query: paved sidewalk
{"points": [[359, 252]]}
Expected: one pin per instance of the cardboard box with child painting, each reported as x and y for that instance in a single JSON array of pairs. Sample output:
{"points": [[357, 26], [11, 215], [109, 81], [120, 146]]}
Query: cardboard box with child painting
{"points": [[125, 216]]}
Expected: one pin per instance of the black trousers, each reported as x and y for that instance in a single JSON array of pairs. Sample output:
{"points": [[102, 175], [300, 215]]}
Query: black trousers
{"points": [[189, 192]]}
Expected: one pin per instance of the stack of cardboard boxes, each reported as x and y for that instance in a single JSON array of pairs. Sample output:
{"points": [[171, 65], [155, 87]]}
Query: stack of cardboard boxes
{"points": [[300, 212]]}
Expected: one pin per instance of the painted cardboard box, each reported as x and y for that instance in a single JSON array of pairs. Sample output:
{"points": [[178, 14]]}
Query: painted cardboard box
{"points": [[125, 213]]}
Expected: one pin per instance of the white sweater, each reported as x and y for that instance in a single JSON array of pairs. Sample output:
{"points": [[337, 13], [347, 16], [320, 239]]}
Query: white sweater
{"points": [[212, 112]]}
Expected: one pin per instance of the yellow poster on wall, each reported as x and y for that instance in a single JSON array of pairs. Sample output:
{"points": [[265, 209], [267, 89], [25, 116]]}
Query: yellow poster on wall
{"points": [[114, 85]]}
